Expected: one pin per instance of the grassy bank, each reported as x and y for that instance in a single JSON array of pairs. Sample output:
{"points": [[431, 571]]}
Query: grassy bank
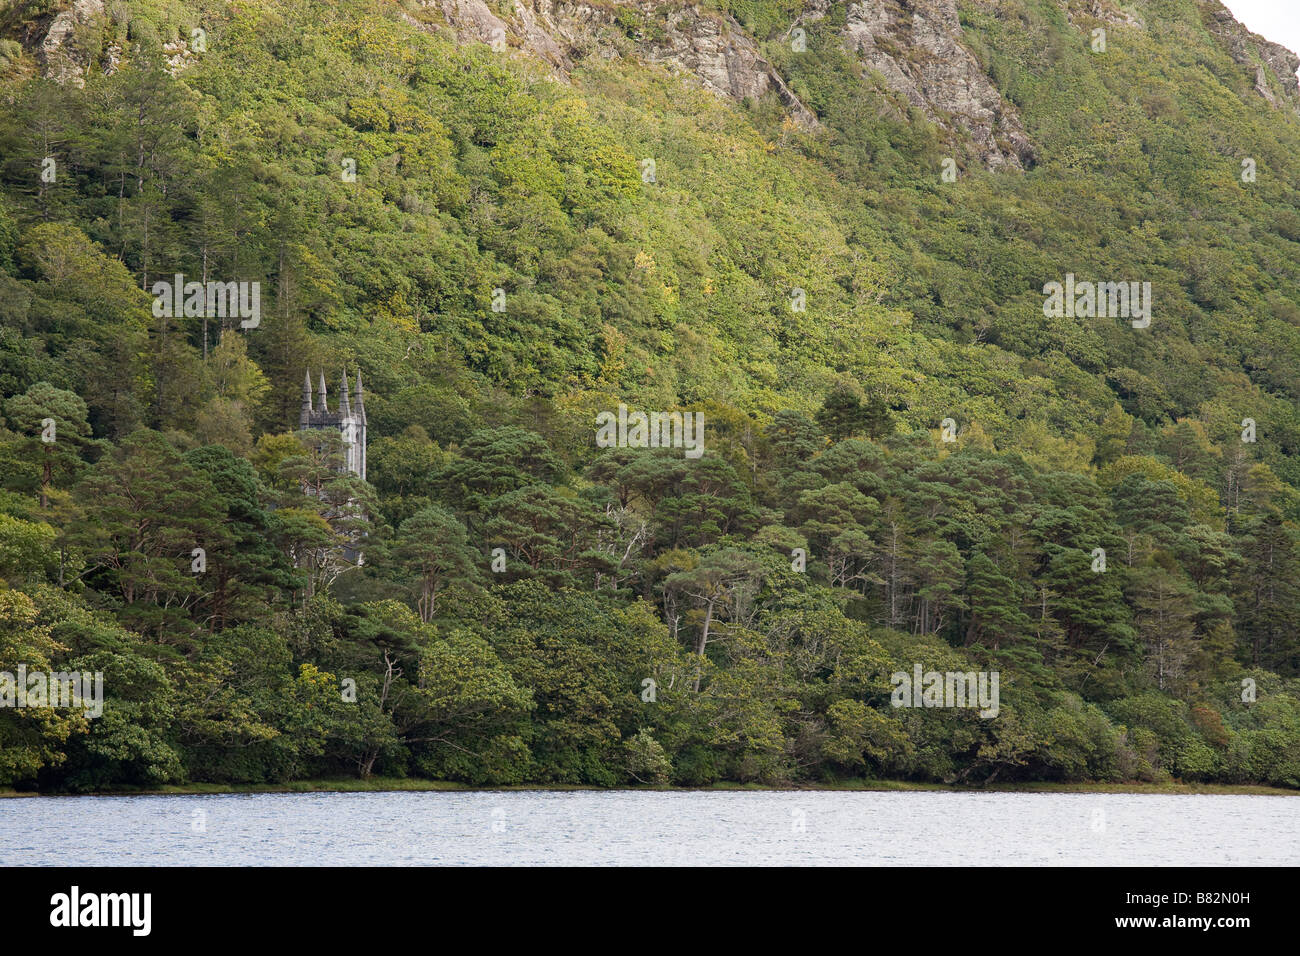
{"points": [[396, 784]]}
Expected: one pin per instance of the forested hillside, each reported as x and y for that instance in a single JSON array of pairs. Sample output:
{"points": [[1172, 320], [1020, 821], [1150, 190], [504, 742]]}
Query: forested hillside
{"points": [[829, 229]]}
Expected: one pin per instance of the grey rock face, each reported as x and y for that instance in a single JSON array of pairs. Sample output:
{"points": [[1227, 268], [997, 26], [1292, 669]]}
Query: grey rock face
{"points": [[61, 57], [1274, 65], [681, 35], [916, 46], [473, 21], [723, 57], [65, 45]]}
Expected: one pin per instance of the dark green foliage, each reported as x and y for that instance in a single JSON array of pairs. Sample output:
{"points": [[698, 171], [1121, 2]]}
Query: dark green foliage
{"points": [[532, 608]]}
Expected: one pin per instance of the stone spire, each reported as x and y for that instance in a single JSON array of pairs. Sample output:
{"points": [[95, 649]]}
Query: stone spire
{"points": [[348, 420]]}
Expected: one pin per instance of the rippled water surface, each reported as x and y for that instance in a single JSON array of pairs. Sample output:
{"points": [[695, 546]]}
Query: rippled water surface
{"points": [[651, 828]]}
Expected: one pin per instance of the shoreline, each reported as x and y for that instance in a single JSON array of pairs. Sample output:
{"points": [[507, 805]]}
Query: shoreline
{"points": [[401, 785]]}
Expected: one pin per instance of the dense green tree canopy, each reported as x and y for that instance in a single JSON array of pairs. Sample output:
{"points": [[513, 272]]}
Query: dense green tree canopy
{"points": [[907, 463]]}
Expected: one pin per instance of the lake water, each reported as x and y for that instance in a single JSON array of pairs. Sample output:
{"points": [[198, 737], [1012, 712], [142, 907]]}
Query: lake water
{"points": [[652, 828]]}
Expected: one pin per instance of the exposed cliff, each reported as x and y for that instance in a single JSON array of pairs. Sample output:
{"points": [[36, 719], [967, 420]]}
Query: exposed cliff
{"points": [[915, 45], [1273, 65], [683, 36], [917, 48], [65, 48]]}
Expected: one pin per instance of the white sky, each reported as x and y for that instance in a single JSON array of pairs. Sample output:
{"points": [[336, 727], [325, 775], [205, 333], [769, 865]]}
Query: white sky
{"points": [[1276, 20]]}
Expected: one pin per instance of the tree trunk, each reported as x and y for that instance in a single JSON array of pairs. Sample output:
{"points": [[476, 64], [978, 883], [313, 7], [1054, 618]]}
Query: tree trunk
{"points": [[703, 642]]}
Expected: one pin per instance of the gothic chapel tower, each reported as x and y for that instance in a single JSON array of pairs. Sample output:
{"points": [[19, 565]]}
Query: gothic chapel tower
{"points": [[349, 420]]}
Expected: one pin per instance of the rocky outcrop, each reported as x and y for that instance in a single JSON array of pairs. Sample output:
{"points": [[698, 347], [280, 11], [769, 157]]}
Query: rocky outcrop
{"points": [[473, 21], [723, 57], [540, 32], [1274, 65], [678, 35], [1089, 12], [67, 44], [62, 55], [178, 56], [916, 47]]}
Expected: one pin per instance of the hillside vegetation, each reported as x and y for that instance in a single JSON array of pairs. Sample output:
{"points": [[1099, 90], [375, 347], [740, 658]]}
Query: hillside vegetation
{"points": [[507, 239]]}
